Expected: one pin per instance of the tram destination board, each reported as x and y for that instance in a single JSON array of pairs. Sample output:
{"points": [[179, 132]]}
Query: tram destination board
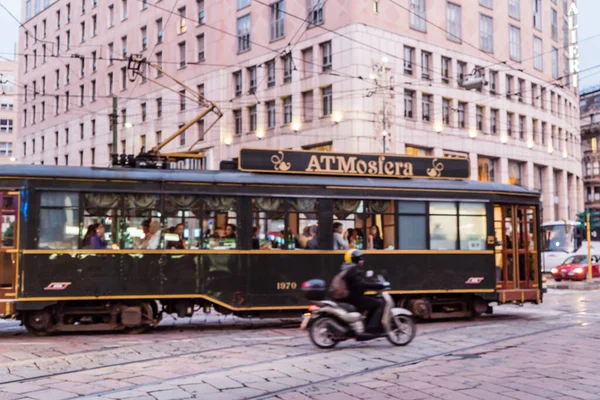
{"points": [[374, 165]]}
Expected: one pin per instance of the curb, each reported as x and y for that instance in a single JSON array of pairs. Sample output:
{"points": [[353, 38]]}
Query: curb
{"points": [[573, 285]]}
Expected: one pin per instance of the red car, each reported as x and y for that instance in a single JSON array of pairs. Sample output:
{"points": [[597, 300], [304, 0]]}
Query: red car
{"points": [[575, 268]]}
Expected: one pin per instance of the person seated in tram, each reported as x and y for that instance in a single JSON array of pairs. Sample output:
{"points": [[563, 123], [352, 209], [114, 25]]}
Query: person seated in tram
{"points": [[230, 231], [152, 239], [375, 240], [313, 243], [94, 238], [340, 237], [255, 240], [304, 237], [181, 244]]}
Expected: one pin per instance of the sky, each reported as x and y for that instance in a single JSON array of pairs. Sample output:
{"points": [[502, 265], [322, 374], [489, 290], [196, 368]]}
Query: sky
{"points": [[588, 26]]}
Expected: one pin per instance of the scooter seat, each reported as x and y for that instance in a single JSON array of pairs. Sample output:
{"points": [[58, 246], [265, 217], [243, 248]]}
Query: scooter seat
{"points": [[347, 307]]}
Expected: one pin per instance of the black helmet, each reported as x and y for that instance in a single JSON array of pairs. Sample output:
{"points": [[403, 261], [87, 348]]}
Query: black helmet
{"points": [[354, 256]]}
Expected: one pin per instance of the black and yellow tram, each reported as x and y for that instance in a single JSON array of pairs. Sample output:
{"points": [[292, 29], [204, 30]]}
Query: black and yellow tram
{"points": [[252, 232]]}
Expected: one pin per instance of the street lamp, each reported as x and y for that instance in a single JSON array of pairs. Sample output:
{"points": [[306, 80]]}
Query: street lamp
{"points": [[128, 125], [13, 159]]}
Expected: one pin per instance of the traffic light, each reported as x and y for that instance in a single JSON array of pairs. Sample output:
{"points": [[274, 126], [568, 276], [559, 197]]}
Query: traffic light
{"points": [[594, 219]]}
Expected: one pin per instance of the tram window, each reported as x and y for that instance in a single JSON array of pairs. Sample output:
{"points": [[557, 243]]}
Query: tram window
{"points": [[473, 226], [59, 220], [443, 225], [219, 227], [140, 227], [8, 230], [103, 209], [412, 224], [368, 224]]}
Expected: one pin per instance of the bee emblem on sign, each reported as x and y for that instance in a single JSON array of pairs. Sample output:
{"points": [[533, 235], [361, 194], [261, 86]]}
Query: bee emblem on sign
{"points": [[436, 170], [57, 286]]}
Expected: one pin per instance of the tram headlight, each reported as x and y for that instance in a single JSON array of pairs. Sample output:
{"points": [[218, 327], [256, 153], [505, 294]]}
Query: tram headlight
{"points": [[554, 271], [578, 270]]}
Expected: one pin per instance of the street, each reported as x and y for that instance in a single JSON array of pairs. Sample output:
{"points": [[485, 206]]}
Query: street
{"points": [[533, 352]]}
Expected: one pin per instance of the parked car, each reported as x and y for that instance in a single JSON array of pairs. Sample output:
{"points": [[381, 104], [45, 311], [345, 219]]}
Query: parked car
{"points": [[575, 268]]}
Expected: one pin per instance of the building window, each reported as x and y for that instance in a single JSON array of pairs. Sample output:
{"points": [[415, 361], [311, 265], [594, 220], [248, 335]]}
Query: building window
{"points": [[418, 15], [487, 3], [6, 125], [316, 12], [158, 137], [124, 12], [159, 108], [182, 100], [461, 69], [243, 4], [537, 14], [94, 90], [538, 59], [110, 83], [124, 46], [287, 68], [307, 63], [200, 44], [277, 20], [159, 63], [82, 32], [94, 61], [509, 123], [237, 80], [479, 118], [182, 55], [462, 111], [6, 149], [81, 130], [554, 25], [486, 33], [515, 173], [327, 100], [521, 90], [252, 118], [446, 62], [271, 73], [287, 110], [544, 132], [521, 127], [327, 56], [159, 30], [243, 33], [93, 156], [307, 106], [182, 25], [123, 117], [426, 105], [409, 55], [252, 80], [493, 121], [201, 15], [271, 114], [124, 78], [237, 117], [453, 22], [509, 86], [514, 9], [67, 101], [409, 103], [425, 65], [93, 123], [446, 111], [144, 33], [515, 43], [555, 63], [485, 169], [111, 15]]}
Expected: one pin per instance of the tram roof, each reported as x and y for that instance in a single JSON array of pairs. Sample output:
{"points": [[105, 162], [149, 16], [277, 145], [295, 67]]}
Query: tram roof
{"points": [[247, 178]]}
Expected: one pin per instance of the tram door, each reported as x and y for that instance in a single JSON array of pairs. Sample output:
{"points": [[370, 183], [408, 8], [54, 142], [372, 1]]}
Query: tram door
{"points": [[9, 227], [516, 251]]}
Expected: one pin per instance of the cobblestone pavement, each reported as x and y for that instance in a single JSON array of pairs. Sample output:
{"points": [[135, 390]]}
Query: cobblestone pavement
{"points": [[533, 352]]}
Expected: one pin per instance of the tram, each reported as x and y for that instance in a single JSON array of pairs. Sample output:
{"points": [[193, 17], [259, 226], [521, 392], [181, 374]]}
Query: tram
{"points": [[250, 234]]}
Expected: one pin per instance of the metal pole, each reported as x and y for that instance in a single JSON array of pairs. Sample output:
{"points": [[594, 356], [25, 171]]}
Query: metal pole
{"points": [[589, 249], [385, 132], [115, 148]]}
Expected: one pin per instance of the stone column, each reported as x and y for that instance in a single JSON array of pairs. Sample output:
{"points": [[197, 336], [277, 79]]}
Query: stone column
{"points": [[473, 157], [503, 170], [549, 195]]}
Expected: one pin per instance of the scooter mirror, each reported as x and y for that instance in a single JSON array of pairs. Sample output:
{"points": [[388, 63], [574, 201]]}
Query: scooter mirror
{"points": [[369, 274]]}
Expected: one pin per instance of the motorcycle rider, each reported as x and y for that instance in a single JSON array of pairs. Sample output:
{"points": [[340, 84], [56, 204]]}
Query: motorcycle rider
{"points": [[353, 263]]}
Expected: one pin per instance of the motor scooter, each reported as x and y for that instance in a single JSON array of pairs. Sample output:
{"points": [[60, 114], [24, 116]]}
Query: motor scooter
{"points": [[330, 322]]}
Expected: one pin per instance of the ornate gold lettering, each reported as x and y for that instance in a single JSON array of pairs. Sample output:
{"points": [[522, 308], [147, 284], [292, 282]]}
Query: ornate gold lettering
{"points": [[328, 160], [347, 166], [313, 164], [381, 160], [389, 168], [408, 169], [372, 167], [278, 163], [361, 167]]}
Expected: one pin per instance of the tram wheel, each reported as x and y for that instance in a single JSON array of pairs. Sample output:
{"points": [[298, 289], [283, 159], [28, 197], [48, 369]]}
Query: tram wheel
{"points": [[147, 317], [39, 323], [421, 307]]}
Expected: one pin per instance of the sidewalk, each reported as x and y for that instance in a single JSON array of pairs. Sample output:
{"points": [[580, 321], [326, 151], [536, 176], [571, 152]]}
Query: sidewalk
{"points": [[573, 285]]}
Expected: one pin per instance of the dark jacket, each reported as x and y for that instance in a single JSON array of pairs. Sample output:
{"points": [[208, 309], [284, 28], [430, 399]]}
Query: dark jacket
{"points": [[357, 285]]}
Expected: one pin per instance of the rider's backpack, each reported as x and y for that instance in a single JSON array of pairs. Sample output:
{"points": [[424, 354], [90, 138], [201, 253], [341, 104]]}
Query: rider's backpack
{"points": [[339, 288]]}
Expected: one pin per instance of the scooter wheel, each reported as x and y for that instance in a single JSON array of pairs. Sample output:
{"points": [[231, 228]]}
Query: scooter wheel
{"points": [[402, 330], [321, 334]]}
